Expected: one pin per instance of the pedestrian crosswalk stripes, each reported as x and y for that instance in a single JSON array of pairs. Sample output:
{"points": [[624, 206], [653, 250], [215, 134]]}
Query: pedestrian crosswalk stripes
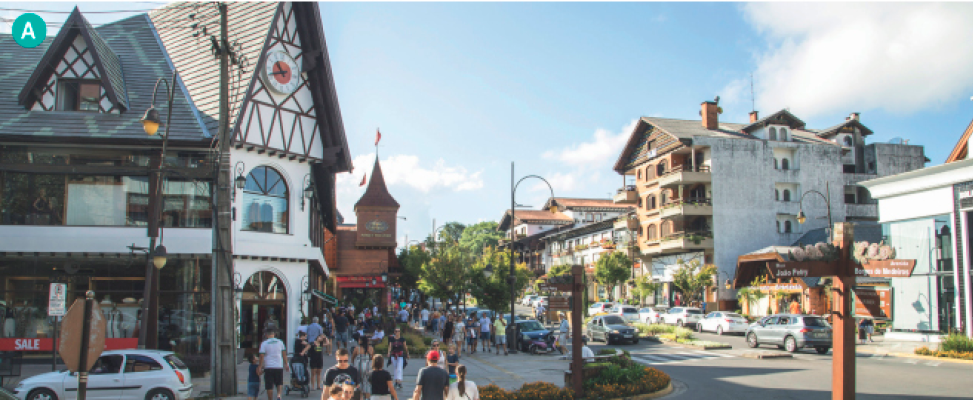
{"points": [[677, 357]]}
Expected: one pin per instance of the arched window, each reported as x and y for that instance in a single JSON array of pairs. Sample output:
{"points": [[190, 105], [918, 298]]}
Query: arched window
{"points": [[651, 200], [775, 164], [783, 134], [849, 141], [787, 195], [776, 194], [651, 234], [666, 228], [265, 201], [785, 164], [640, 202], [773, 134], [663, 198], [787, 226], [661, 168]]}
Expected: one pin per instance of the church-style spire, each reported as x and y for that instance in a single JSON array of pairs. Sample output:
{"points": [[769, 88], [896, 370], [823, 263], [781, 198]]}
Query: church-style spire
{"points": [[377, 194]]}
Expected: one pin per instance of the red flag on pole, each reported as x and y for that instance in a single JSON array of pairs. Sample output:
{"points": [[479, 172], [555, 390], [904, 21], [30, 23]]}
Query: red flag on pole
{"points": [[362, 181], [378, 136]]}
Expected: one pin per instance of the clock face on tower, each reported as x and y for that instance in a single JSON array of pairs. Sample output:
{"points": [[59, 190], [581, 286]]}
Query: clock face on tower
{"points": [[280, 72]]}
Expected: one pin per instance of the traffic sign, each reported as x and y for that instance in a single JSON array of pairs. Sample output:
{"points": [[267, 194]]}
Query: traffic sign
{"points": [[58, 299], [73, 333]]}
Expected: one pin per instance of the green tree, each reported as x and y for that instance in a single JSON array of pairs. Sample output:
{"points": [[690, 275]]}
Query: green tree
{"points": [[452, 232], [560, 269], [443, 270], [644, 287], [751, 295], [479, 236], [611, 269], [493, 293], [692, 278], [411, 259]]}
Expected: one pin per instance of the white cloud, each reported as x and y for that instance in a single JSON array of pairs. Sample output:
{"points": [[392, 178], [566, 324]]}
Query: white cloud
{"points": [[604, 146], [829, 57]]}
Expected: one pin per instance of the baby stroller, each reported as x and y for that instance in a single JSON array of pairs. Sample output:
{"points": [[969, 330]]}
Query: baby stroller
{"points": [[299, 378]]}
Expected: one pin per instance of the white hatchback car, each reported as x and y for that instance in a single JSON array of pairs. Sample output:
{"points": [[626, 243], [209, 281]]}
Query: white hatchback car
{"points": [[723, 322], [117, 374], [682, 316], [628, 313], [651, 315]]}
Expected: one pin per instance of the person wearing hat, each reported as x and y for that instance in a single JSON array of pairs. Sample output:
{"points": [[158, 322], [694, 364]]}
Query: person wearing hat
{"points": [[433, 381]]}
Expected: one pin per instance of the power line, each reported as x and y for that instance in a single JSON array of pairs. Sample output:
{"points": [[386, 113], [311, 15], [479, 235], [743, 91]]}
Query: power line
{"points": [[95, 12]]}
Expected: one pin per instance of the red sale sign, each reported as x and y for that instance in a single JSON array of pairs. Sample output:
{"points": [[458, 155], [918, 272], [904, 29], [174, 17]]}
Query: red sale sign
{"points": [[38, 344]]}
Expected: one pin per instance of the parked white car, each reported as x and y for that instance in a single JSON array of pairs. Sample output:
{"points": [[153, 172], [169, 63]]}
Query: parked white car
{"points": [[117, 374], [598, 308], [628, 313], [682, 316], [723, 322], [651, 315], [527, 300], [540, 300]]}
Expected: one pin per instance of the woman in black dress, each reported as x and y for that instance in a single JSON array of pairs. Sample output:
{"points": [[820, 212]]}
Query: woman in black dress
{"points": [[448, 330], [316, 359]]}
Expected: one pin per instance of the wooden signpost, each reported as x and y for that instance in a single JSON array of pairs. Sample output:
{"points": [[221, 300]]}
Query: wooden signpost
{"points": [[844, 269], [83, 339]]}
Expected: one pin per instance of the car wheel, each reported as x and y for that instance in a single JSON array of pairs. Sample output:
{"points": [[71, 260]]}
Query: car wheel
{"points": [[719, 330], [41, 394], [159, 394], [790, 344], [635, 341], [822, 349], [752, 340]]}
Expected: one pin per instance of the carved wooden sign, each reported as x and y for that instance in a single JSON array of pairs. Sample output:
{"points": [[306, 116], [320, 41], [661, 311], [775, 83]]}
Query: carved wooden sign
{"points": [[887, 268], [801, 269], [873, 302]]}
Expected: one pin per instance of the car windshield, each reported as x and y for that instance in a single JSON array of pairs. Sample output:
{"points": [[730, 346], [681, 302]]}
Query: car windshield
{"points": [[629, 310], [530, 326], [612, 320], [732, 315], [694, 311], [175, 362], [815, 321]]}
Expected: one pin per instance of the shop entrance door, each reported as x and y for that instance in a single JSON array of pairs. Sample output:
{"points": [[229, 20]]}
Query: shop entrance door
{"points": [[263, 307]]}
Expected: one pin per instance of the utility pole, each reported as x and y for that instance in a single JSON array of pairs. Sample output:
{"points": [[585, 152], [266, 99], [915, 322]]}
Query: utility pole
{"points": [[223, 334]]}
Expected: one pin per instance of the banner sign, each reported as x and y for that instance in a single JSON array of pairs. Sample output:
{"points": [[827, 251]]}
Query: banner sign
{"points": [[873, 302], [781, 287], [47, 344], [559, 303]]}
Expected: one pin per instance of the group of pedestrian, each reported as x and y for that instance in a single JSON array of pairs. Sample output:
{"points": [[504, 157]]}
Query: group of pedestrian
{"points": [[438, 383]]}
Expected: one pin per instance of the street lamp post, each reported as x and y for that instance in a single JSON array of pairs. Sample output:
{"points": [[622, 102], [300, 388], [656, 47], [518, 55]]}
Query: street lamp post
{"points": [[149, 331], [512, 278], [801, 218]]}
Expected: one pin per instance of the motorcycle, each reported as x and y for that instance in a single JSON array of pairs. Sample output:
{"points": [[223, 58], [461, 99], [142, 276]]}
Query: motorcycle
{"points": [[540, 345]]}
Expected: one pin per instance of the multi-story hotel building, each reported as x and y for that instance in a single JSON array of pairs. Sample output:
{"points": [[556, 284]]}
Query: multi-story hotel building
{"points": [[711, 191]]}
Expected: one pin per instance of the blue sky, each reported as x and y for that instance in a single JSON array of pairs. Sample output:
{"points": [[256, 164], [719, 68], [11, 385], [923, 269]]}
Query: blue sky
{"points": [[461, 90]]}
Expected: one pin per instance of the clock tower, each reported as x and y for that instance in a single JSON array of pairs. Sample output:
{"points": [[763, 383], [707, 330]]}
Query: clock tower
{"points": [[376, 212]]}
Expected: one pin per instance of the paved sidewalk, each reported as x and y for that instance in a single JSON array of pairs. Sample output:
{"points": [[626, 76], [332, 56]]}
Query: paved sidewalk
{"points": [[508, 372], [891, 348]]}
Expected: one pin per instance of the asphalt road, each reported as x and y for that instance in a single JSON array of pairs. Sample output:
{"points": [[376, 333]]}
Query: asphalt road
{"points": [[726, 374]]}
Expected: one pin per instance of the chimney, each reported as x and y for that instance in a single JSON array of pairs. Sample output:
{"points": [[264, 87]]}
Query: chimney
{"points": [[854, 116], [753, 117], [710, 115]]}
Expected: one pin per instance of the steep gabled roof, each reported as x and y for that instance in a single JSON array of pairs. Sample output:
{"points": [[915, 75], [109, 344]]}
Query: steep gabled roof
{"points": [[143, 59], [782, 116], [849, 122], [106, 61], [961, 150], [377, 194]]}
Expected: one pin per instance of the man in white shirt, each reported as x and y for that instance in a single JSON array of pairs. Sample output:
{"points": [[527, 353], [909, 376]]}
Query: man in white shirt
{"points": [[424, 314], [273, 363], [485, 325], [562, 338]]}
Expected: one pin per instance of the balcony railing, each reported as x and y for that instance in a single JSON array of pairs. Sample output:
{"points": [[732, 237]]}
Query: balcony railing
{"points": [[681, 241], [626, 195], [688, 206], [685, 174]]}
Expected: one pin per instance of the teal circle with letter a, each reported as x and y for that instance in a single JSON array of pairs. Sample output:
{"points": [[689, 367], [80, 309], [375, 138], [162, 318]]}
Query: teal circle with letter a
{"points": [[29, 30]]}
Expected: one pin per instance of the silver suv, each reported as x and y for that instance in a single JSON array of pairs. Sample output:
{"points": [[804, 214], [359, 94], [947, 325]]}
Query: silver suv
{"points": [[792, 332]]}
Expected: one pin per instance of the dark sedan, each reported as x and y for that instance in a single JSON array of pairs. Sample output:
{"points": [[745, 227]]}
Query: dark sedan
{"points": [[611, 329]]}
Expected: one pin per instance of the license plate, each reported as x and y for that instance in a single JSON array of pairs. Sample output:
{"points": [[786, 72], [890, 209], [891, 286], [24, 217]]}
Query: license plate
{"points": [[821, 335], [628, 336]]}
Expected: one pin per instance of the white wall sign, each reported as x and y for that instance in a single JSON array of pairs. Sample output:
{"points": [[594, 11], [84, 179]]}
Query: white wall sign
{"points": [[57, 302]]}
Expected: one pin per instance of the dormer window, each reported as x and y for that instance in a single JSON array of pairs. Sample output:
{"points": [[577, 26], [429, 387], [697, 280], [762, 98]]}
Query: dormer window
{"points": [[78, 95]]}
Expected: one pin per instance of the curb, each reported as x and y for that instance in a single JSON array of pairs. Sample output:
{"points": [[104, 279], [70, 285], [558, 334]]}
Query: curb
{"points": [[663, 392], [765, 356], [928, 358]]}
